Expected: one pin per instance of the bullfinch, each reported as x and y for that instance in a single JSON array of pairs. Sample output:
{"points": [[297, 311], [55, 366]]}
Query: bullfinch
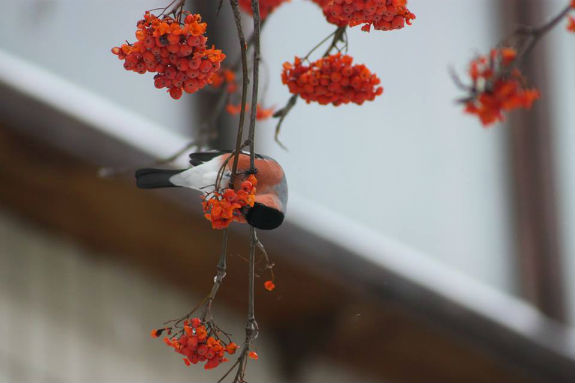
{"points": [[271, 193]]}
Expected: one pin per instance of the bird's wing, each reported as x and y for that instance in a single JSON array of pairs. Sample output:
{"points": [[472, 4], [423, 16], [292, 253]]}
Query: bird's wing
{"points": [[201, 157]]}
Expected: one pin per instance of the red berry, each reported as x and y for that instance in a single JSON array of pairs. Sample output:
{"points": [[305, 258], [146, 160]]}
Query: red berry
{"points": [[173, 39], [186, 50], [176, 93]]}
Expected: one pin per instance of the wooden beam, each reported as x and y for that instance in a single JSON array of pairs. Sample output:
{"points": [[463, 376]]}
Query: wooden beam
{"points": [[169, 242], [532, 173]]}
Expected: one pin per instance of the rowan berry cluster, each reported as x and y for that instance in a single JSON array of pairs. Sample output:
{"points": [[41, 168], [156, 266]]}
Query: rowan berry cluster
{"points": [[266, 6], [221, 209], [176, 51], [497, 86], [331, 79], [198, 343], [383, 15]]}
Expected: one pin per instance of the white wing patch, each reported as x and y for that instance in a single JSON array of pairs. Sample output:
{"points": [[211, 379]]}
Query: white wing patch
{"points": [[202, 177]]}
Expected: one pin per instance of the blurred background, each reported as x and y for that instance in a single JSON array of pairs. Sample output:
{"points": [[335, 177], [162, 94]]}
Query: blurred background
{"points": [[418, 246]]}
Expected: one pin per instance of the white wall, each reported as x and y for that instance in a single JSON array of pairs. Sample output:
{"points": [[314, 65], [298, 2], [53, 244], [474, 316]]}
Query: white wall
{"points": [[410, 165], [73, 39], [69, 314], [561, 50]]}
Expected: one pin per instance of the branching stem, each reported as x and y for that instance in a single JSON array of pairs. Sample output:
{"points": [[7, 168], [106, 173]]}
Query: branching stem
{"points": [[244, 59], [336, 36], [532, 35], [255, 80]]}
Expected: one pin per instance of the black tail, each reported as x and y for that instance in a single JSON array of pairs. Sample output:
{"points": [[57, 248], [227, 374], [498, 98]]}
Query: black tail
{"points": [[155, 178]]}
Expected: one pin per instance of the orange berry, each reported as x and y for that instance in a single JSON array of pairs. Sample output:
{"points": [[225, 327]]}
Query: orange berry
{"points": [[140, 35], [269, 285], [231, 348], [173, 38]]}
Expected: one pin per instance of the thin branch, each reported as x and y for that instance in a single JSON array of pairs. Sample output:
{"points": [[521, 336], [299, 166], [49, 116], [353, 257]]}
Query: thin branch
{"points": [[250, 42], [175, 322], [222, 170], [336, 36], [245, 79], [218, 279], [255, 81], [169, 5], [319, 44], [269, 264], [251, 325], [229, 370], [542, 29], [282, 113], [534, 34]]}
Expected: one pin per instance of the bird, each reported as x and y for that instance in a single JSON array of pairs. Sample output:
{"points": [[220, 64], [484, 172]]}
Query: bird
{"points": [[268, 211]]}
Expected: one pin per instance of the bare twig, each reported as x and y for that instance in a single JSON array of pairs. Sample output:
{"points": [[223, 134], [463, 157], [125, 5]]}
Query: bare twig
{"points": [[281, 114], [255, 81], [218, 279], [320, 44], [535, 34], [269, 264], [338, 36], [222, 170], [175, 322], [165, 10], [244, 59], [250, 42], [251, 325]]}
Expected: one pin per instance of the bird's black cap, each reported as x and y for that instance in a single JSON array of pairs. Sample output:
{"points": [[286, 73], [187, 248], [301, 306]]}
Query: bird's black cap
{"points": [[263, 217]]}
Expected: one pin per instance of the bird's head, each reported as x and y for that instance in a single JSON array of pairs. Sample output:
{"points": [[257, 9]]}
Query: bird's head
{"points": [[264, 217]]}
